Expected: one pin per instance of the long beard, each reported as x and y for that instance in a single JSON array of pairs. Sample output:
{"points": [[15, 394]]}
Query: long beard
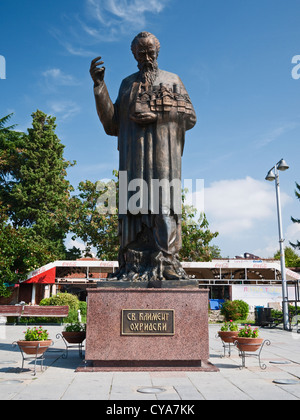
{"points": [[148, 72]]}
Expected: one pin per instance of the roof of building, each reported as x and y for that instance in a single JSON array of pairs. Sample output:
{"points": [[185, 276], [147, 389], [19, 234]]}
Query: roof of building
{"points": [[234, 268]]}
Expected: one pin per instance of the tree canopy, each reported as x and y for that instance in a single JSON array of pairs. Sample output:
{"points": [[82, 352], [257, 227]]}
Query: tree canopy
{"points": [[96, 229], [34, 197], [196, 236], [292, 259], [297, 193]]}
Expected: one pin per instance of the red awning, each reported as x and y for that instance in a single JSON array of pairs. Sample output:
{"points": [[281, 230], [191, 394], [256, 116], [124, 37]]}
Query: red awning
{"points": [[47, 277]]}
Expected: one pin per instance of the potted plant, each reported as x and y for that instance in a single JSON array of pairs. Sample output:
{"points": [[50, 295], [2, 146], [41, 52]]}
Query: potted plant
{"points": [[74, 333], [248, 340], [228, 332], [36, 341]]}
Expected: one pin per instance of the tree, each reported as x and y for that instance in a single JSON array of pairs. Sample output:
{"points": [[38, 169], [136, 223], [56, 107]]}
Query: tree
{"points": [[196, 236], [96, 228], [73, 254], [34, 199], [292, 259], [297, 193], [11, 145], [33, 186], [21, 251]]}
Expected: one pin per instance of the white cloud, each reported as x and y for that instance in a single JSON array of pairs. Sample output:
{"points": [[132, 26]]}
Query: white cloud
{"points": [[292, 233], [105, 21], [59, 78], [234, 207], [113, 12], [62, 35], [78, 243], [115, 18], [270, 248], [75, 242], [81, 52], [275, 133], [64, 109]]}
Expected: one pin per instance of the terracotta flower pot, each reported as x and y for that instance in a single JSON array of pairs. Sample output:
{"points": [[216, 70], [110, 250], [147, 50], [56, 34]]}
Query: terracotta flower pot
{"points": [[74, 337], [228, 336], [248, 344], [34, 347]]}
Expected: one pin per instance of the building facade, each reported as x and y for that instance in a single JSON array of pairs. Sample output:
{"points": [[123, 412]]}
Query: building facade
{"points": [[258, 282]]}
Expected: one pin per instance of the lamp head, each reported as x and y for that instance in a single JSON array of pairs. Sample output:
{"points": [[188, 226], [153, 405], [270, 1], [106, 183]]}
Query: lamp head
{"points": [[270, 176], [282, 165]]}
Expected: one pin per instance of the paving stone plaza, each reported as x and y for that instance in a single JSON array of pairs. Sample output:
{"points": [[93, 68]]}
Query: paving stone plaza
{"points": [[60, 381]]}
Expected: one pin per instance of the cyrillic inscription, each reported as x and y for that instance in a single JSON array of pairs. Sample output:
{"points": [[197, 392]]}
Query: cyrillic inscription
{"points": [[148, 322]]}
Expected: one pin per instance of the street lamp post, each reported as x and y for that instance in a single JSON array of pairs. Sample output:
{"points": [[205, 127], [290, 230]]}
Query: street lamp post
{"points": [[274, 176]]}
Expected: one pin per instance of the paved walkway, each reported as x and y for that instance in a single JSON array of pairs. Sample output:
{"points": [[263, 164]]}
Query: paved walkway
{"points": [[59, 381]]}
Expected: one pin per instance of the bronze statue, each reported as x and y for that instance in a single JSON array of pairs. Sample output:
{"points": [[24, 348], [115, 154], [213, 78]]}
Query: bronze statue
{"points": [[150, 117]]}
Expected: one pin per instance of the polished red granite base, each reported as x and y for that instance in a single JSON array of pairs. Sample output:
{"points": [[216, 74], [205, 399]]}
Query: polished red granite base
{"points": [[186, 349]]}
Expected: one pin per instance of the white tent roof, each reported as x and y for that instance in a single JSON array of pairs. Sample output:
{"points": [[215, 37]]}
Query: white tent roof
{"points": [[260, 267]]}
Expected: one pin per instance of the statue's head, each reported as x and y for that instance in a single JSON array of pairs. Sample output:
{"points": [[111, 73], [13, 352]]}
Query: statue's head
{"points": [[145, 47]]}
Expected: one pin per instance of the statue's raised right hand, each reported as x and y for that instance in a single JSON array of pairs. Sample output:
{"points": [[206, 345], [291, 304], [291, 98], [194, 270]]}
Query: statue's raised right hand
{"points": [[97, 73]]}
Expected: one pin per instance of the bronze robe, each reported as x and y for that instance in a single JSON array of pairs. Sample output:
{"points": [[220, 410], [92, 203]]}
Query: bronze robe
{"points": [[148, 151]]}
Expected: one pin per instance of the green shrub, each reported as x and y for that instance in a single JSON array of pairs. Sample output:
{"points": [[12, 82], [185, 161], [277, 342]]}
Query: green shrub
{"points": [[72, 316], [235, 309], [83, 308], [243, 308], [39, 320], [64, 299], [293, 311]]}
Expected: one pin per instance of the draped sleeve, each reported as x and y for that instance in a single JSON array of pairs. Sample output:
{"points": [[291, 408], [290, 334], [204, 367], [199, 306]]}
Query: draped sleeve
{"points": [[107, 111]]}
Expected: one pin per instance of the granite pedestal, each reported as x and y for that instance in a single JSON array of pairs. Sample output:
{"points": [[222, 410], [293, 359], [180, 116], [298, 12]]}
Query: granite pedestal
{"points": [[147, 329]]}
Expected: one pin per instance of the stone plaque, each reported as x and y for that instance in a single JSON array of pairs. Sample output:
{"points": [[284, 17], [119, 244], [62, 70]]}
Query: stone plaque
{"points": [[148, 322]]}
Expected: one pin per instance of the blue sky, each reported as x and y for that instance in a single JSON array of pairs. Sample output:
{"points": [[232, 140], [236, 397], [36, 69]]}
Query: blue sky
{"points": [[235, 59]]}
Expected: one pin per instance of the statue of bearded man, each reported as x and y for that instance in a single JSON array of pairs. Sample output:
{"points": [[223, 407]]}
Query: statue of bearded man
{"points": [[150, 117]]}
